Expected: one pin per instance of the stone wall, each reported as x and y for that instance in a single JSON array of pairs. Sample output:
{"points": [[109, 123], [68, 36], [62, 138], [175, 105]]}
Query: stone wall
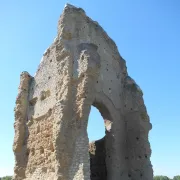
{"points": [[97, 153], [81, 68]]}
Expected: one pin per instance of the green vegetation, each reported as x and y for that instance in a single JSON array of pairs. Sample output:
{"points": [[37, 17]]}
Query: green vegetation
{"points": [[161, 178], [6, 178], [176, 178], [166, 178]]}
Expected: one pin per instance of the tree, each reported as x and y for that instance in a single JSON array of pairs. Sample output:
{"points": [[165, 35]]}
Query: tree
{"points": [[176, 178], [6, 178], [161, 178]]}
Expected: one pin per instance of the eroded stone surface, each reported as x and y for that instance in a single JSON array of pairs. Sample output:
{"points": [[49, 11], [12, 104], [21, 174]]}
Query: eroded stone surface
{"points": [[97, 153], [81, 68]]}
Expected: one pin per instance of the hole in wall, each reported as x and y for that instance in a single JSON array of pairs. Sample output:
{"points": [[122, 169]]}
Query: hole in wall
{"points": [[27, 152], [38, 129], [41, 150], [32, 151], [96, 135], [51, 147], [95, 129]]}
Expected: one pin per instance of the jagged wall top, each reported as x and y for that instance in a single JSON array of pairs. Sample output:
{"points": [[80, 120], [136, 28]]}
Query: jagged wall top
{"points": [[81, 68], [71, 10]]}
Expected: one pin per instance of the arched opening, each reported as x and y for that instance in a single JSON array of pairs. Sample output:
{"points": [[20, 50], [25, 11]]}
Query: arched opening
{"points": [[98, 127]]}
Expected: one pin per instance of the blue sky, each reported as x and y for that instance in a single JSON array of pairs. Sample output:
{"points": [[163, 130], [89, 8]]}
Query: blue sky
{"points": [[147, 36]]}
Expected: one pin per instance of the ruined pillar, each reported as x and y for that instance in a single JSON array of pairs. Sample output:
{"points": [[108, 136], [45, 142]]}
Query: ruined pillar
{"points": [[81, 68], [21, 131]]}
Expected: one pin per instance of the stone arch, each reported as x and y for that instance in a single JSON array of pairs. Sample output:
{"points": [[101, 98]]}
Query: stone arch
{"points": [[115, 137], [101, 151], [97, 148]]}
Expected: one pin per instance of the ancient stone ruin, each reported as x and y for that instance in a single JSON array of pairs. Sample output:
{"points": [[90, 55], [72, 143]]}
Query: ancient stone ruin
{"points": [[82, 68]]}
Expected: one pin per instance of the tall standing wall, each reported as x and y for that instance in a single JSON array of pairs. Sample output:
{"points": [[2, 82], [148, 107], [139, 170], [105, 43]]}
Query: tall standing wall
{"points": [[81, 68]]}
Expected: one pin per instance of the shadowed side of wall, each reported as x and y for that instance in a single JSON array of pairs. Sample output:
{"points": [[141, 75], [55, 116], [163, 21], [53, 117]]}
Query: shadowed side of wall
{"points": [[97, 153]]}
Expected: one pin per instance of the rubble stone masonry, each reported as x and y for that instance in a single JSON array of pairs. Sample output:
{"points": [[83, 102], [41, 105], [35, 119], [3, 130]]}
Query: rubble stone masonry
{"points": [[81, 68]]}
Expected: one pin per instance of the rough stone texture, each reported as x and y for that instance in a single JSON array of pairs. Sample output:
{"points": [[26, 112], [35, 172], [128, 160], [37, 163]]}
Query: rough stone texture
{"points": [[97, 153], [81, 68]]}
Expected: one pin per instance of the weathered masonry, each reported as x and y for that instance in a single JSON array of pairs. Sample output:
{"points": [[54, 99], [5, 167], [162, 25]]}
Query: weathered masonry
{"points": [[81, 68]]}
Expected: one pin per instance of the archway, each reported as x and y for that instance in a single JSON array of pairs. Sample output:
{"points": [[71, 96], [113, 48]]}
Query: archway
{"points": [[98, 128]]}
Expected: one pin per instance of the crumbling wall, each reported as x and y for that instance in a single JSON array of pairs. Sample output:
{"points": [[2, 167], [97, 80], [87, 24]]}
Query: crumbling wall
{"points": [[97, 153], [20, 139], [137, 127], [81, 68]]}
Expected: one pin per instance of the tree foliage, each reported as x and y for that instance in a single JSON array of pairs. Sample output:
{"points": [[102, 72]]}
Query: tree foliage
{"points": [[166, 178], [161, 178], [6, 178], [176, 178]]}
